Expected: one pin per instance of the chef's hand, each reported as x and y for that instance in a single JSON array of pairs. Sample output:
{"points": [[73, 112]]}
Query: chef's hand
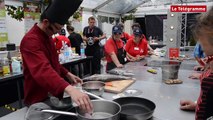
{"points": [[132, 59], [198, 68], [73, 78], [138, 57], [195, 76], [187, 105], [80, 98], [120, 66]]}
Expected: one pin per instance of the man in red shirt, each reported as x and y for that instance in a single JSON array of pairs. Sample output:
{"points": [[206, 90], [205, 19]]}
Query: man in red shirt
{"points": [[136, 47], [61, 40], [114, 49], [43, 74]]}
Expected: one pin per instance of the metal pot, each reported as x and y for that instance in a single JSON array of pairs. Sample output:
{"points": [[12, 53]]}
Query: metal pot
{"points": [[102, 110], [94, 87], [170, 69]]}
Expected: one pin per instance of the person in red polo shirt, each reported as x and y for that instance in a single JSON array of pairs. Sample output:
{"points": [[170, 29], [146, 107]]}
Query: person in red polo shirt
{"points": [[135, 26], [136, 47], [60, 40], [114, 51]]}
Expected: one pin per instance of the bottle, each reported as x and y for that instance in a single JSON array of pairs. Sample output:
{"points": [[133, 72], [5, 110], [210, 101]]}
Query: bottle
{"points": [[1, 68], [6, 67], [66, 53], [82, 50]]}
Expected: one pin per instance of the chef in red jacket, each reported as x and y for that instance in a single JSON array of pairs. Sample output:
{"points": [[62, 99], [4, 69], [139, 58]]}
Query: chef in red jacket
{"points": [[43, 74], [136, 47]]}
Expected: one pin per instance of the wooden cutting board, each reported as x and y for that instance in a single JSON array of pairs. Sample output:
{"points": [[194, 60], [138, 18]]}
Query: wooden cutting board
{"points": [[118, 86]]}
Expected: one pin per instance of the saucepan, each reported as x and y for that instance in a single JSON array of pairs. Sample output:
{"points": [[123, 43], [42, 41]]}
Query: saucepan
{"points": [[124, 108], [102, 110]]}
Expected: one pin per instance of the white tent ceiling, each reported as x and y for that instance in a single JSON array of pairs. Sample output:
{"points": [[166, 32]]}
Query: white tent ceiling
{"points": [[124, 6]]}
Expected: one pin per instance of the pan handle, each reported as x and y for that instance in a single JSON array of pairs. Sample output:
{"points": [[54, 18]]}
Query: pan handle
{"points": [[93, 95], [59, 112]]}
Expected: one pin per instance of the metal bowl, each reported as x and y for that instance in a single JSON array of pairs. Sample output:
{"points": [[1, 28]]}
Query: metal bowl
{"points": [[95, 87]]}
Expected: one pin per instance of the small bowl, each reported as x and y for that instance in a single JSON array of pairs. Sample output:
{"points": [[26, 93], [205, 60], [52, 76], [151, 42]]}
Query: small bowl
{"points": [[94, 87]]}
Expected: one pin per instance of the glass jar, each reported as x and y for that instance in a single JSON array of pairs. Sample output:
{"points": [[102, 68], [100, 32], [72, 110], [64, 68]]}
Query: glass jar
{"points": [[6, 67]]}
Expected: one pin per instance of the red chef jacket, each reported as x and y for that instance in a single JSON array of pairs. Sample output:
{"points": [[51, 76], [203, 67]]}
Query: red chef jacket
{"points": [[42, 70]]}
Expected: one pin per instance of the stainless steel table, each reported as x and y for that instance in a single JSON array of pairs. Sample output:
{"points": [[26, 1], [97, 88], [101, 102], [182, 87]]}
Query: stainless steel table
{"points": [[166, 97]]}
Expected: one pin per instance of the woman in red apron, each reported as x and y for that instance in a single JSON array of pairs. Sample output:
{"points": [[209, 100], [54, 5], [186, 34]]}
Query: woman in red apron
{"points": [[115, 53]]}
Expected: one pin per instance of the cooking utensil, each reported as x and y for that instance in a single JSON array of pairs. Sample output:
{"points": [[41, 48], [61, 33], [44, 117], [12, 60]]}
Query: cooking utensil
{"points": [[95, 87], [135, 108], [170, 69], [102, 110]]}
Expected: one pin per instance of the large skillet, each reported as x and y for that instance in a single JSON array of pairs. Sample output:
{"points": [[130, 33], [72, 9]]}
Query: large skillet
{"points": [[135, 108]]}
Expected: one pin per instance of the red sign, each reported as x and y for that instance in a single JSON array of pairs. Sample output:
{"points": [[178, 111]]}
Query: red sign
{"points": [[188, 8], [174, 52]]}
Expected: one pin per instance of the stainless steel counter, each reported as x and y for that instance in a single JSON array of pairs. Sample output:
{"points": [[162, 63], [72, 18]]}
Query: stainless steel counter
{"points": [[166, 97]]}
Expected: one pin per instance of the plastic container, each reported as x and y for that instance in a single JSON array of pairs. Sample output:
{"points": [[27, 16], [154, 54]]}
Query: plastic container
{"points": [[16, 66], [82, 50]]}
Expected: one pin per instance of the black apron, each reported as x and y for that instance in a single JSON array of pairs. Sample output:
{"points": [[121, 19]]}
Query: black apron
{"points": [[121, 54], [124, 39]]}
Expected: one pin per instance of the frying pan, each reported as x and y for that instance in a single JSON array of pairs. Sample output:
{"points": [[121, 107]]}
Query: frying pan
{"points": [[135, 108]]}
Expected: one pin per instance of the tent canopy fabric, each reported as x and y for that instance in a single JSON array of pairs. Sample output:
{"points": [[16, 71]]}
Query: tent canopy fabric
{"points": [[125, 6]]}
